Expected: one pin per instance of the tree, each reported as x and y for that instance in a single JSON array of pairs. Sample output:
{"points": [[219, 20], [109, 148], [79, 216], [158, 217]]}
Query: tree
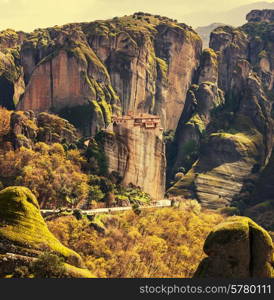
{"points": [[4, 121]]}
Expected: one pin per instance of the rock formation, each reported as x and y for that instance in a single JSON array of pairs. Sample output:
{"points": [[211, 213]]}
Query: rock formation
{"points": [[264, 15], [24, 234], [137, 154], [12, 84], [138, 63], [237, 248], [218, 101], [88, 72], [151, 61], [26, 129], [205, 31], [260, 202], [64, 76], [236, 139], [201, 100]]}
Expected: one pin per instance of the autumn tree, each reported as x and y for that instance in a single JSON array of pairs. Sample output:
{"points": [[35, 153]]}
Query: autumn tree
{"points": [[55, 178], [4, 121]]}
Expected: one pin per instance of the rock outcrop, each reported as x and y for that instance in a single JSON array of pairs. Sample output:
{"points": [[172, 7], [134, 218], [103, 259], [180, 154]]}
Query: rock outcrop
{"points": [[24, 234], [265, 15], [137, 155], [151, 61], [26, 129], [88, 72], [12, 84], [237, 132], [205, 31], [85, 72], [64, 76], [237, 248], [201, 100]]}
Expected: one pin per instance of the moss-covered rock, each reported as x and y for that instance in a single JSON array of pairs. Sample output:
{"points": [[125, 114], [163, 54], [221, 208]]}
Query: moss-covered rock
{"points": [[53, 129], [237, 248], [23, 230]]}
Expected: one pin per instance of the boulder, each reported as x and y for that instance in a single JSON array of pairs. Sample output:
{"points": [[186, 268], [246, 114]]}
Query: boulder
{"points": [[237, 248]]}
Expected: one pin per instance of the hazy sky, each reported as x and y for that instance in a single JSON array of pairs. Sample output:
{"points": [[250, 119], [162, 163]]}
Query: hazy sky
{"points": [[30, 14]]}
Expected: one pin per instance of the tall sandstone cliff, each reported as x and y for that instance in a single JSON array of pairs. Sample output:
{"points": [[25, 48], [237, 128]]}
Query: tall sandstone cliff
{"points": [[227, 117], [137, 155], [88, 71]]}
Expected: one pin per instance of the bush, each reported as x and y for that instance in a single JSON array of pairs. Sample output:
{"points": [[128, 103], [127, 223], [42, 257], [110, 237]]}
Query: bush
{"points": [[77, 213], [178, 176], [48, 265], [96, 156], [4, 121], [21, 272], [136, 209], [169, 136]]}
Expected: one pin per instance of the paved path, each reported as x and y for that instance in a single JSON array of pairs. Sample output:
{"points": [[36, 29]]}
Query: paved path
{"points": [[160, 203]]}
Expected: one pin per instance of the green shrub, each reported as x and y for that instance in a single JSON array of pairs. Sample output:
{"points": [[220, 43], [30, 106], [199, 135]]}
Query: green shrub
{"points": [[169, 136], [21, 272], [48, 265], [136, 209]]}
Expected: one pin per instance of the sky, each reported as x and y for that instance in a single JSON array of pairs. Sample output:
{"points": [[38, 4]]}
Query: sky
{"points": [[27, 15]]}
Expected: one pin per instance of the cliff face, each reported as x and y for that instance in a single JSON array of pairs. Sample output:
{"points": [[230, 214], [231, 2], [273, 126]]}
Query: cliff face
{"points": [[89, 72], [201, 99], [137, 155], [236, 138], [260, 201], [151, 61], [139, 63], [218, 100], [12, 84], [64, 76]]}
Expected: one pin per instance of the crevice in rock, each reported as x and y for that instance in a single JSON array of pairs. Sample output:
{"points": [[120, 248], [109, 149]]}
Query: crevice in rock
{"points": [[51, 84], [6, 93]]}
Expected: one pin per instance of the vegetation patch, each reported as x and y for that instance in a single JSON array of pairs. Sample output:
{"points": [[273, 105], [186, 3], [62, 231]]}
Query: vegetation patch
{"points": [[160, 243]]}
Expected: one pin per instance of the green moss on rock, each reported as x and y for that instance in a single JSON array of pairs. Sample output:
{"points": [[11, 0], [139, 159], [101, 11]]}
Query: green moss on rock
{"points": [[197, 122], [23, 225], [245, 144], [237, 248]]}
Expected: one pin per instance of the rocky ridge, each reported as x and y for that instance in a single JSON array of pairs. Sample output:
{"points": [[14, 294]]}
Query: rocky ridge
{"points": [[235, 139]]}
